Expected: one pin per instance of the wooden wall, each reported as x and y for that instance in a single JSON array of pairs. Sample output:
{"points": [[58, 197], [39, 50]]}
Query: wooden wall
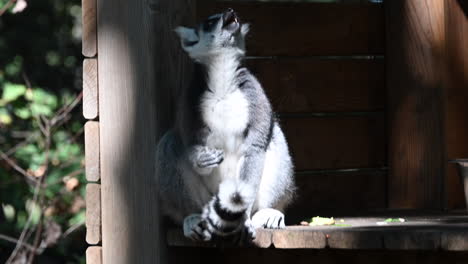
{"points": [[322, 67]]}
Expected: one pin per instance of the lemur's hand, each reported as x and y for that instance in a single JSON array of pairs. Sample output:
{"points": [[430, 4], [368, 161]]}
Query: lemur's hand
{"points": [[204, 157]]}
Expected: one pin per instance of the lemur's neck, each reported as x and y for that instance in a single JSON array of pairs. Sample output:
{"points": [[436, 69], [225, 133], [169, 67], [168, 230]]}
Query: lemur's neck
{"points": [[222, 73]]}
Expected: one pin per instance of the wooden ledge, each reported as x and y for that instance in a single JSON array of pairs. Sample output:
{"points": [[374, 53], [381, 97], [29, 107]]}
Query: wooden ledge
{"points": [[449, 232]]}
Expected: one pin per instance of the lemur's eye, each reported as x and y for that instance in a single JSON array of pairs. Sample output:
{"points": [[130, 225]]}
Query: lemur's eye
{"points": [[209, 24]]}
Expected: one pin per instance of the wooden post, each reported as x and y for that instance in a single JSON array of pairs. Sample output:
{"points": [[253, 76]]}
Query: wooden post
{"points": [[415, 73], [457, 97], [140, 64]]}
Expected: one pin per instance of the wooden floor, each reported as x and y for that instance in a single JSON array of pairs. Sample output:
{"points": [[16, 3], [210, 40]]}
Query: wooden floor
{"points": [[424, 232]]}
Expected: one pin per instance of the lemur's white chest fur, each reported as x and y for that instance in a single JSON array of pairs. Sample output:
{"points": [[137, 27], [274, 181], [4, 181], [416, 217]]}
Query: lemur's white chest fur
{"points": [[225, 110]]}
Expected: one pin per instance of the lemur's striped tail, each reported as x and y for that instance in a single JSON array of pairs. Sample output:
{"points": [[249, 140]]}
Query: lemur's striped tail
{"points": [[226, 212]]}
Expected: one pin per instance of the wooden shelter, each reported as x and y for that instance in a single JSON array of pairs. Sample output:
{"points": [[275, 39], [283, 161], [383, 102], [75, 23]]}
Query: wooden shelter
{"points": [[372, 98]]}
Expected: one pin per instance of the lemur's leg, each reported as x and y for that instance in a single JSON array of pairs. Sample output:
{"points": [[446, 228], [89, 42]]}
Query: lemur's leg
{"points": [[229, 211]]}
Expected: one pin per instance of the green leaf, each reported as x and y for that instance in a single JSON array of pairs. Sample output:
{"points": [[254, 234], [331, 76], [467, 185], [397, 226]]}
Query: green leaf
{"points": [[5, 117], [12, 91], [9, 212], [23, 113], [77, 219]]}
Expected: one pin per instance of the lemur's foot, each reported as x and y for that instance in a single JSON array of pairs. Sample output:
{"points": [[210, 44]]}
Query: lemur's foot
{"points": [[268, 218], [195, 228], [206, 157]]}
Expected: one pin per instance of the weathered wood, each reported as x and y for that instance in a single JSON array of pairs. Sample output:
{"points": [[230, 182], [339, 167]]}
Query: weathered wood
{"points": [[92, 150], [456, 108], [425, 232], [307, 28], [299, 237], [331, 192], [455, 240], [404, 240], [140, 64], [94, 255], [336, 142], [90, 89], [175, 237], [415, 53], [89, 45], [349, 239], [322, 85], [93, 213]]}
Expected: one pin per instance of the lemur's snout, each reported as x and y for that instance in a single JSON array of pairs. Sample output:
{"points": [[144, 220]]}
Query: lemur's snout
{"points": [[230, 17]]}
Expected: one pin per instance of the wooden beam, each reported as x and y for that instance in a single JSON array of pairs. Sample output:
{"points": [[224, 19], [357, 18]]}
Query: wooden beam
{"points": [[89, 45], [92, 161], [140, 65], [94, 255], [456, 96], [90, 89], [415, 73], [93, 213]]}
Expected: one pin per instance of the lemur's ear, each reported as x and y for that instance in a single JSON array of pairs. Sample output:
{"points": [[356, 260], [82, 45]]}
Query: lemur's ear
{"points": [[245, 29], [188, 36]]}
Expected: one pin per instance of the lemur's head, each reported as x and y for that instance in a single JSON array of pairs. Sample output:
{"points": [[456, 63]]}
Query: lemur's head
{"points": [[218, 34]]}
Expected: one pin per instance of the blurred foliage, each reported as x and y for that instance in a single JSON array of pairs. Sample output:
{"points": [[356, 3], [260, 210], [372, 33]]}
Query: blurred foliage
{"points": [[40, 75]]}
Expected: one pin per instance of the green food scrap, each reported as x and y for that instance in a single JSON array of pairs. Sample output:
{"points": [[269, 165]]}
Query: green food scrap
{"points": [[394, 220], [321, 221]]}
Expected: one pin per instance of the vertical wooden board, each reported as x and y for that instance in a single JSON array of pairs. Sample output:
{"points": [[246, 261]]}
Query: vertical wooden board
{"points": [[415, 73], [302, 29], [94, 255], [89, 20], [336, 142], [455, 194], [337, 192], [92, 151], [90, 89], [321, 85], [140, 65], [456, 125], [93, 213]]}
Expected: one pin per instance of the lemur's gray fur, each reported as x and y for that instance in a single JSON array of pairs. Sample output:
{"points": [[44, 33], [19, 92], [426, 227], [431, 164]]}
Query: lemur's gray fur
{"points": [[225, 167]]}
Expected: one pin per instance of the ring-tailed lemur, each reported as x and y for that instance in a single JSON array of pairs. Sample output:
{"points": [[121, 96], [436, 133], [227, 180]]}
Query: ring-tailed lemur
{"points": [[225, 167]]}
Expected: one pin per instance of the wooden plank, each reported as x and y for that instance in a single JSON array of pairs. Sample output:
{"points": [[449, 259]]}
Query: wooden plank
{"points": [[89, 44], [92, 150], [93, 213], [90, 89], [299, 238], [140, 64], [415, 69], [321, 85], [175, 237], [301, 29], [359, 239], [330, 192], [455, 240], [94, 255], [414, 240], [340, 142], [456, 108]]}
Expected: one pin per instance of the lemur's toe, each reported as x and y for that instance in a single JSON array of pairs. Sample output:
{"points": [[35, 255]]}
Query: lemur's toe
{"points": [[268, 218]]}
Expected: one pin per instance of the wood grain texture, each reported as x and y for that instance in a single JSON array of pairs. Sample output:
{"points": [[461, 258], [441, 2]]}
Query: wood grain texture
{"points": [[93, 213], [140, 65], [92, 151], [321, 85], [90, 89], [89, 20], [332, 192], [423, 232], [94, 255], [300, 29], [456, 108], [341, 142], [415, 73]]}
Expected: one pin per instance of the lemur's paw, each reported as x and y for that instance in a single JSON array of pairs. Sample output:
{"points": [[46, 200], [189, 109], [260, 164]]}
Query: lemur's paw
{"points": [[268, 218], [207, 157], [195, 228]]}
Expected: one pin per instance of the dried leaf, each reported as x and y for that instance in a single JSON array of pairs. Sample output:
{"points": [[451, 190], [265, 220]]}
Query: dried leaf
{"points": [[51, 234], [71, 184]]}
